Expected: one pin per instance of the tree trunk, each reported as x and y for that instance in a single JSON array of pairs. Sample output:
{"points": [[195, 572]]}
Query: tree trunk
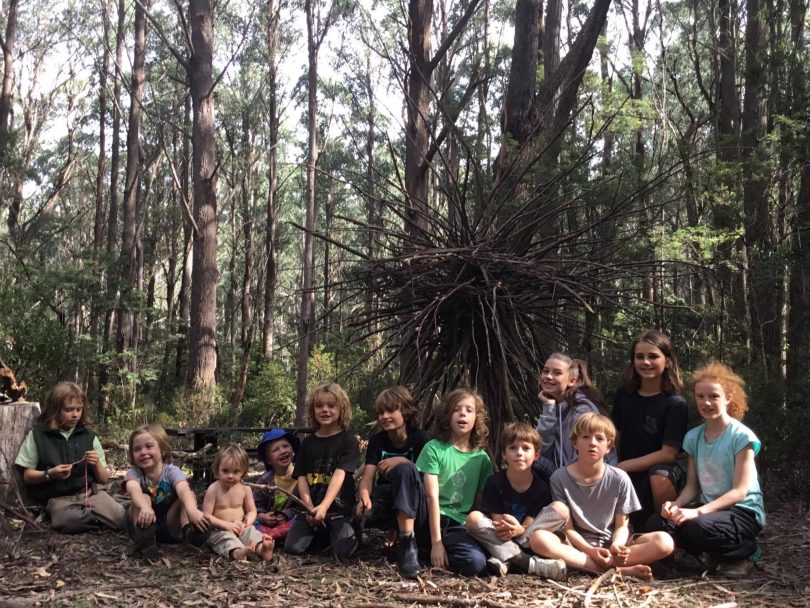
{"points": [[16, 419], [202, 361], [799, 311], [129, 253], [764, 275], [112, 215], [7, 107], [272, 178], [307, 322], [7, 90], [181, 358]]}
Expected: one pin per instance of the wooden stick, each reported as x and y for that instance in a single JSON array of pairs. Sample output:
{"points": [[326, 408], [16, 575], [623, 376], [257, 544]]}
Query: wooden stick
{"points": [[20, 515], [267, 488], [595, 585], [418, 598]]}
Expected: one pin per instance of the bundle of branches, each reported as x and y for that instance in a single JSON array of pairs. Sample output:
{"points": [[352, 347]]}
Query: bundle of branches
{"points": [[461, 303]]}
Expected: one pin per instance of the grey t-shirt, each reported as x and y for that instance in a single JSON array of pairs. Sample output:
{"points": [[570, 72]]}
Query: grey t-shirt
{"points": [[594, 507]]}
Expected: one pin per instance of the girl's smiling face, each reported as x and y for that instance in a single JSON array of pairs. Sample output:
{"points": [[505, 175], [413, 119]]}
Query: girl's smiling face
{"points": [[556, 378], [462, 420], [648, 361], [711, 400]]}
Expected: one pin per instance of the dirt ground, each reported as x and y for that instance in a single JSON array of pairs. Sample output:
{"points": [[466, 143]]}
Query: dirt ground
{"points": [[39, 567]]}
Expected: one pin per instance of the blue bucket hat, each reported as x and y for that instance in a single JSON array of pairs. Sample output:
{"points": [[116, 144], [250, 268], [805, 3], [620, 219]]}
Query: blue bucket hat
{"points": [[274, 435]]}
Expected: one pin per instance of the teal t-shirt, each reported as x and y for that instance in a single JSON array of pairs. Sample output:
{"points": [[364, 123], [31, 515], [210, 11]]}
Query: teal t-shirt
{"points": [[461, 476], [714, 462]]}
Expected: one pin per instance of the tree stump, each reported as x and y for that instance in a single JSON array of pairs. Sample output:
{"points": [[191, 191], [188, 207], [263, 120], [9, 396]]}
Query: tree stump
{"points": [[16, 420]]}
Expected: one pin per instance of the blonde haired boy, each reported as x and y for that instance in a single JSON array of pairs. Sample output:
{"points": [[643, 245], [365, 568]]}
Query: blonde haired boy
{"points": [[600, 499]]}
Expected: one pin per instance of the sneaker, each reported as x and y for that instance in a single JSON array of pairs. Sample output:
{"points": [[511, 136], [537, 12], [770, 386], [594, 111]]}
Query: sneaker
{"points": [[740, 569], [553, 569], [496, 567], [408, 557]]}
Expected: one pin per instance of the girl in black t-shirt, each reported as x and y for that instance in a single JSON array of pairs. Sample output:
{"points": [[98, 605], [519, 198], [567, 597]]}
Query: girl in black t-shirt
{"points": [[651, 419]]}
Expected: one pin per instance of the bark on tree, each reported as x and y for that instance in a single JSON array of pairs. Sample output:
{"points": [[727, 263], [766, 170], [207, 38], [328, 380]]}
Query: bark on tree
{"points": [[272, 177], [202, 360], [129, 249], [799, 316], [764, 295], [306, 325], [7, 90]]}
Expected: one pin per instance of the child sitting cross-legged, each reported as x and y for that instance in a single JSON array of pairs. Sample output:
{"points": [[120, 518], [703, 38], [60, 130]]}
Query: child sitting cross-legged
{"points": [[229, 505], [600, 499], [276, 510], [511, 508]]}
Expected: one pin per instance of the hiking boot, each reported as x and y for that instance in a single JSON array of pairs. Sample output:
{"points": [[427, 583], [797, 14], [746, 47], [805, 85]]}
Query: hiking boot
{"points": [[408, 556], [144, 540], [553, 569], [497, 567], [740, 569], [193, 536]]}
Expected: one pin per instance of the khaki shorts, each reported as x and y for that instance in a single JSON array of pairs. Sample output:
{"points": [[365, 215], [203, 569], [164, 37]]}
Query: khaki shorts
{"points": [[223, 542]]}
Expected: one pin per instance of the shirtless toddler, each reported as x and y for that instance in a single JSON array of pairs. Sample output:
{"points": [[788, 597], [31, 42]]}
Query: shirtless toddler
{"points": [[229, 505]]}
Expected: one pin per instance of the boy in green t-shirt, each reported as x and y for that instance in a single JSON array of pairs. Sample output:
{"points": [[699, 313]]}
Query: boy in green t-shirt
{"points": [[455, 468]]}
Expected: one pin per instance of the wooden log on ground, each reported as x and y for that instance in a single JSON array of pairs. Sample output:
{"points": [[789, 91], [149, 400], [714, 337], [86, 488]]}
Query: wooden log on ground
{"points": [[16, 419]]}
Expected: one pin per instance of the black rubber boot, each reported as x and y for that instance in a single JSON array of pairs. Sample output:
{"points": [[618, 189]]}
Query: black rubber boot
{"points": [[408, 556], [144, 540]]}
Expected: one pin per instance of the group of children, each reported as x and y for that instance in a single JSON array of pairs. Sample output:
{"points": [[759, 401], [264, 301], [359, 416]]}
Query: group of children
{"points": [[581, 491]]}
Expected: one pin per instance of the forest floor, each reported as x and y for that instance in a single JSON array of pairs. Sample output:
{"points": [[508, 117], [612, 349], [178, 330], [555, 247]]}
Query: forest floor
{"points": [[41, 568]]}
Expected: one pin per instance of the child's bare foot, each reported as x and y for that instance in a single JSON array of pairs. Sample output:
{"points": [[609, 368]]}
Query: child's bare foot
{"points": [[390, 539], [265, 548], [639, 571], [242, 553]]}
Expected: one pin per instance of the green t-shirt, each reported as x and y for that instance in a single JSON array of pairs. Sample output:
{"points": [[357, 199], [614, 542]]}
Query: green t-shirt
{"points": [[28, 457], [461, 476]]}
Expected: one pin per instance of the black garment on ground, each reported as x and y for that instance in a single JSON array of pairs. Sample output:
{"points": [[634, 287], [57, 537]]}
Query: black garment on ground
{"points": [[499, 497], [319, 458]]}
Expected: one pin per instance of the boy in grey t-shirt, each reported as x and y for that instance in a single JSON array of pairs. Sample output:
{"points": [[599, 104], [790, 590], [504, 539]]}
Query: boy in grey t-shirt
{"points": [[600, 499]]}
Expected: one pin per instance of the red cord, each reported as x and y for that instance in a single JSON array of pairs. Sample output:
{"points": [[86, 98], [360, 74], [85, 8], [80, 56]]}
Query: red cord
{"points": [[87, 503]]}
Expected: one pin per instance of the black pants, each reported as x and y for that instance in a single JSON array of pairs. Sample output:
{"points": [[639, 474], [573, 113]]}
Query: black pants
{"points": [[337, 533], [403, 491], [727, 536]]}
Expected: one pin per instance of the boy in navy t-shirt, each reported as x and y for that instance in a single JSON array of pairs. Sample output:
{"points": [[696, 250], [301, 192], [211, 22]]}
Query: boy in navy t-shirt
{"points": [[516, 502]]}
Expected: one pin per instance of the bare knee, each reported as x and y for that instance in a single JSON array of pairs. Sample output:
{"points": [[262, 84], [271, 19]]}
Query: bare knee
{"points": [[474, 519], [541, 540], [662, 489]]}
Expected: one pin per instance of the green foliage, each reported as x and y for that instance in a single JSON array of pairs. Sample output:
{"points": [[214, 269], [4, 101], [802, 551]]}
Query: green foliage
{"points": [[269, 396]]}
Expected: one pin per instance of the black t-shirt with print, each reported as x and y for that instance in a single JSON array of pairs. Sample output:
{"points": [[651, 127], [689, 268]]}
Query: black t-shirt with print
{"points": [[381, 447], [319, 457], [645, 424]]}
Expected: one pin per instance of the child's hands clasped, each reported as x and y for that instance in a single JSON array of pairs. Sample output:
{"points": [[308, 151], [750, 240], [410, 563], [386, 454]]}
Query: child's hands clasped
{"points": [[603, 557], [620, 554], [508, 528], [677, 514]]}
